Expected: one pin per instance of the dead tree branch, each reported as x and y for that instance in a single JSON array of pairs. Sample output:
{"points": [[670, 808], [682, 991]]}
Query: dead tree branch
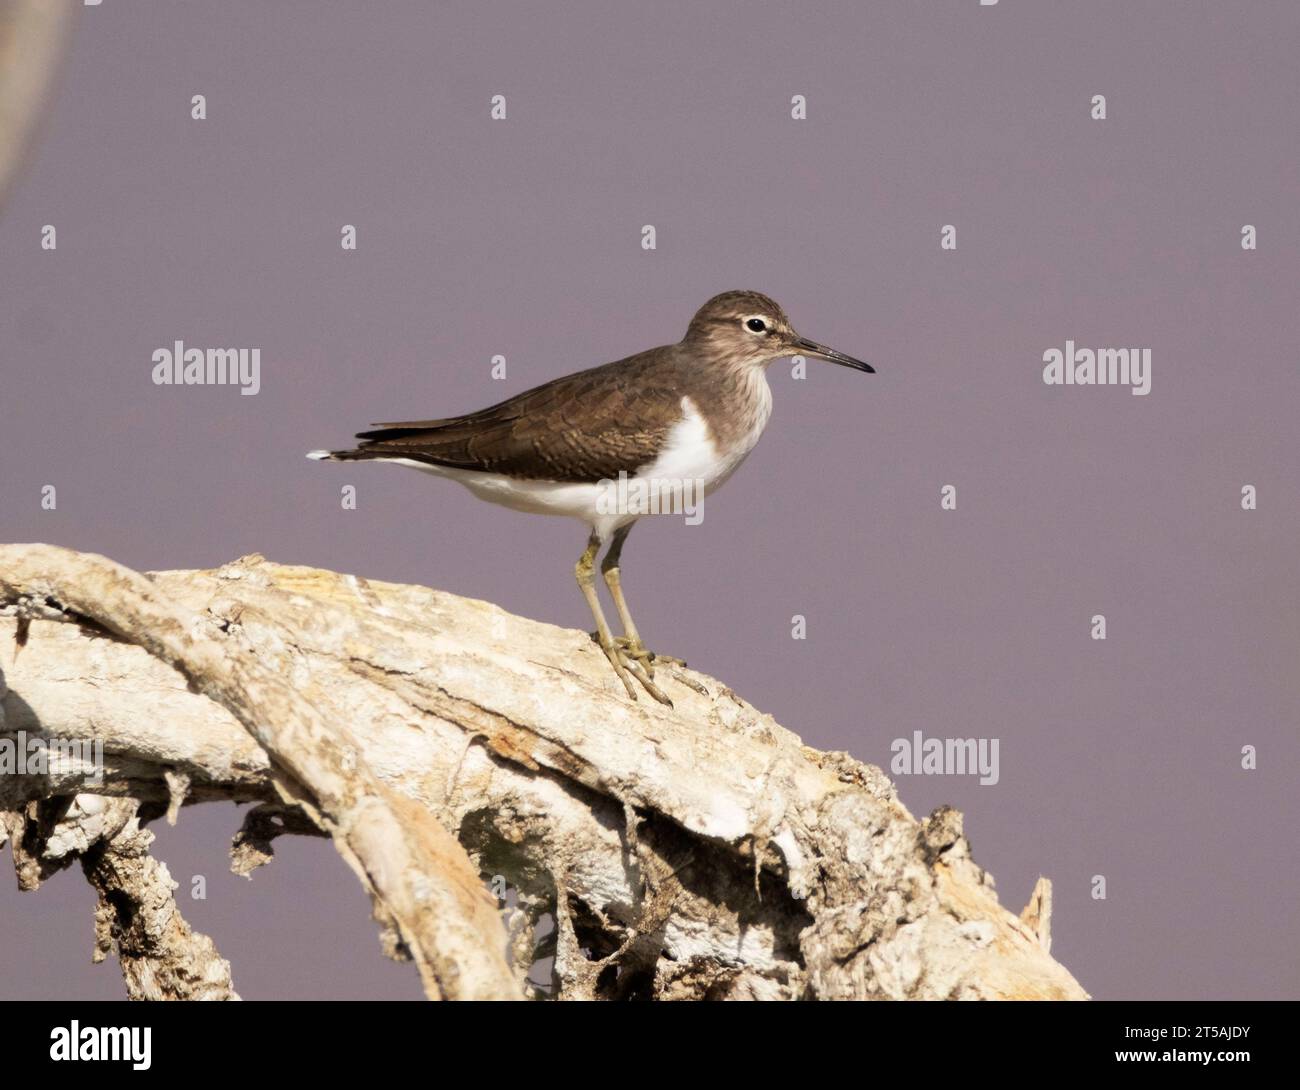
{"points": [[695, 852]]}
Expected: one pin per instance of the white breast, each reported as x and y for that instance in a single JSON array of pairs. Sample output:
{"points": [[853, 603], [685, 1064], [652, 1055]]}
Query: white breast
{"points": [[692, 452]]}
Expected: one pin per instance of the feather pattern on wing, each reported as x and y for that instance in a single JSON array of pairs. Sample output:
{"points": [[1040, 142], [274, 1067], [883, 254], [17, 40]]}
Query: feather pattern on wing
{"points": [[586, 427]]}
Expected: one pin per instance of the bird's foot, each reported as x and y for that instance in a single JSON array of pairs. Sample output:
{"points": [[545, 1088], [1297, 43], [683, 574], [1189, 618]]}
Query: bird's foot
{"points": [[628, 664], [635, 649]]}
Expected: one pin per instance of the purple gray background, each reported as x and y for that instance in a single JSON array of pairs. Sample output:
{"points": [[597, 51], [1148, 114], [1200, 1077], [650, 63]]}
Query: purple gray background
{"points": [[522, 238]]}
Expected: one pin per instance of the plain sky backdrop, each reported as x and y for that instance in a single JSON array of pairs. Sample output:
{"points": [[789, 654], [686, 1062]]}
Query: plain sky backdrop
{"points": [[1120, 758]]}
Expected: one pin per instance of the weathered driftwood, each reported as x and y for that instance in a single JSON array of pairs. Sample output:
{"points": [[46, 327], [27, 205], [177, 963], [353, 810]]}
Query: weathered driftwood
{"points": [[700, 851]]}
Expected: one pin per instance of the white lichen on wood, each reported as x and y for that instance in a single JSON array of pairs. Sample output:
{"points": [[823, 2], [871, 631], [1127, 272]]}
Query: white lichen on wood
{"points": [[700, 851]]}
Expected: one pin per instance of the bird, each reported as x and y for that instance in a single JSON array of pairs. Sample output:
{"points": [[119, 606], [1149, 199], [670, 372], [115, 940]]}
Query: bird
{"points": [[670, 420]]}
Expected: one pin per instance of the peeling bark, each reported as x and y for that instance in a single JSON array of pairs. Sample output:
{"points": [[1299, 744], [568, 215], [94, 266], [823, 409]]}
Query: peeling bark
{"points": [[700, 851]]}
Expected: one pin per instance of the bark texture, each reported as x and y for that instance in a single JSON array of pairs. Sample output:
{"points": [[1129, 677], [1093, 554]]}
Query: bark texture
{"points": [[700, 851]]}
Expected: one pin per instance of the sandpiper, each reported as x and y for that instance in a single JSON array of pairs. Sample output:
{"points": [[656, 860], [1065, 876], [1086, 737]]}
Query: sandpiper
{"points": [[685, 412]]}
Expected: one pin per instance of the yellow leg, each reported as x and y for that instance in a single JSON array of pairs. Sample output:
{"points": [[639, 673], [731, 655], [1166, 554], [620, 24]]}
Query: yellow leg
{"points": [[609, 569], [630, 642], [624, 663]]}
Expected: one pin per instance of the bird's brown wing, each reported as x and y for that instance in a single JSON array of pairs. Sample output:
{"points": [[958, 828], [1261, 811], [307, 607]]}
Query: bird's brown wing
{"points": [[583, 427]]}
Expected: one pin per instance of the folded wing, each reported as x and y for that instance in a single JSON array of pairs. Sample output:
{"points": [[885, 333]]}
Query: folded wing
{"points": [[583, 427]]}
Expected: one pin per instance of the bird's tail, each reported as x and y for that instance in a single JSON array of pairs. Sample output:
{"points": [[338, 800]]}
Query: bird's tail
{"points": [[340, 455]]}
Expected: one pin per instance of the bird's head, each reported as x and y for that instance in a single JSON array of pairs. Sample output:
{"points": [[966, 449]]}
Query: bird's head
{"points": [[748, 327]]}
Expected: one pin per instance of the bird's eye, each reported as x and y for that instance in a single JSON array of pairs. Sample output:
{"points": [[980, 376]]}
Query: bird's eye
{"points": [[756, 325]]}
